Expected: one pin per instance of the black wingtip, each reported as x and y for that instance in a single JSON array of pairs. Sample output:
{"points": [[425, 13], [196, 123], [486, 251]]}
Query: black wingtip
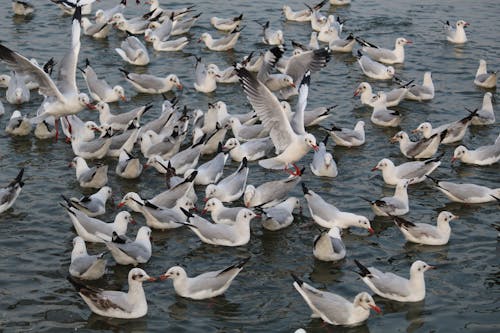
{"points": [[77, 15], [306, 80], [297, 279], [435, 180], [363, 270], [305, 190], [76, 284], [187, 213], [325, 140]]}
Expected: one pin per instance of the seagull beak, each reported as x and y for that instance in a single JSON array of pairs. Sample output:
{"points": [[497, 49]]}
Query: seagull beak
{"points": [[194, 209], [71, 165], [409, 41], [132, 221], [218, 76], [164, 277], [203, 212], [293, 85], [205, 199], [179, 86], [376, 308], [371, 231], [356, 93], [199, 40], [431, 267], [374, 168], [146, 165], [455, 217], [258, 216], [316, 148], [415, 131], [91, 106], [466, 24], [121, 204], [123, 98], [151, 279], [393, 140], [453, 159]]}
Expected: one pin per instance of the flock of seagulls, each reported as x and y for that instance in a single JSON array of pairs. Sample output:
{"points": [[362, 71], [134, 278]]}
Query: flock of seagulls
{"points": [[273, 134]]}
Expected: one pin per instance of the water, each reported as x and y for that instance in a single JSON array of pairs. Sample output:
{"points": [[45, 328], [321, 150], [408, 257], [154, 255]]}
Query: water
{"points": [[462, 294]]}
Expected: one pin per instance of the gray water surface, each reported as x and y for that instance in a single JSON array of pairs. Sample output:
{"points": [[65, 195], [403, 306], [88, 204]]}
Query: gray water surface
{"points": [[462, 294]]}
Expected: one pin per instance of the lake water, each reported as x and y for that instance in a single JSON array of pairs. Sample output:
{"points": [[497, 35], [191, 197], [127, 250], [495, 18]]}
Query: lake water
{"points": [[462, 294]]}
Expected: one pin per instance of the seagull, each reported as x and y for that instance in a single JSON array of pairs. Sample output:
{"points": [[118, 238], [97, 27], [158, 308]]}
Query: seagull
{"points": [[374, 69], [253, 150], [219, 213], [226, 24], [205, 79], [424, 92], [393, 206], [133, 253], [466, 192], [303, 15], [271, 193], [236, 234], [9, 194], [247, 132], [386, 56], [95, 204], [279, 216], [414, 171], [133, 51], [98, 30], [342, 44], [169, 45], [84, 266], [122, 120], [222, 44], [95, 177], [203, 286], [17, 91], [394, 287], [18, 124], [485, 115], [117, 304], [128, 166], [423, 148], [105, 15], [95, 230], [290, 139], [62, 99], [381, 115], [455, 131], [230, 188], [335, 309], [133, 26], [211, 171], [323, 164], [329, 216], [94, 149], [483, 78], [484, 155], [328, 246], [423, 233], [23, 8], [99, 89], [348, 137], [393, 97], [272, 37], [456, 34]]}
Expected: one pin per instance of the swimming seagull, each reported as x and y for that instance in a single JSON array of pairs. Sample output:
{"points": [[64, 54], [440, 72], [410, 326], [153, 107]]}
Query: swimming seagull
{"points": [[169, 45], [386, 56], [150, 84], [95, 177], [423, 233], [17, 91], [253, 150], [18, 124], [231, 188], [416, 92], [394, 287], [203, 286], [133, 51], [348, 137], [62, 99], [9, 194], [374, 69], [393, 206], [381, 115], [236, 234], [290, 139], [329, 216], [99, 89], [483, 78], [219, 213], [272, 37], [328, 246], [303, 15], [323, 164], [335, 309], [222, 44], [485, 115], [279, 216], [97, 30], [393, 97], [83, 265], [225, 24], [128, 166], [466, 192], [456, 34], [135, 252], [453, 132], [117, 304], [342, 44], [95, 204], [484, 155], [415, 170], [205, 79], [23, 8], [423, 148]]}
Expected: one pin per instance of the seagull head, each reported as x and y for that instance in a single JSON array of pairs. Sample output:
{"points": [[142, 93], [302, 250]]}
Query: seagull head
{"points": [[139, 275], [310, 140]]}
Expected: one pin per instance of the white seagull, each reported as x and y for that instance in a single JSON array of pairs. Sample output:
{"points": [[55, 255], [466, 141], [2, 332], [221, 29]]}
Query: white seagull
{"points": [[279, 216], [386, 56], [95, 204], [226, 24], [466, 192], [483, 78], [83, 265], [423, 233], [99, 89], [393, 206], [328, 246], [374, 69], [323, 164], [485, 115], [9, 194], [414, 171], [456, 35], [348, 137], [484, 155], [135, 252], [203, 286], [133, 51], [95, 177]]}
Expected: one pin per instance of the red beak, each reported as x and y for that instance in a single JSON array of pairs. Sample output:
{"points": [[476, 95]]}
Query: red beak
{"points": [[179, 86], [123, 98], [132, 221], [203, 212], [258, 216], [146, 165], [376, 308], [164, 277], [293, 85], [409, 41], [121, 204], [91, 106], [466, 24], [151, 279], [205, 199], [371, 231], [453, 159], [70, 164], [374, 168], [356, 93], [316, 148]]}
